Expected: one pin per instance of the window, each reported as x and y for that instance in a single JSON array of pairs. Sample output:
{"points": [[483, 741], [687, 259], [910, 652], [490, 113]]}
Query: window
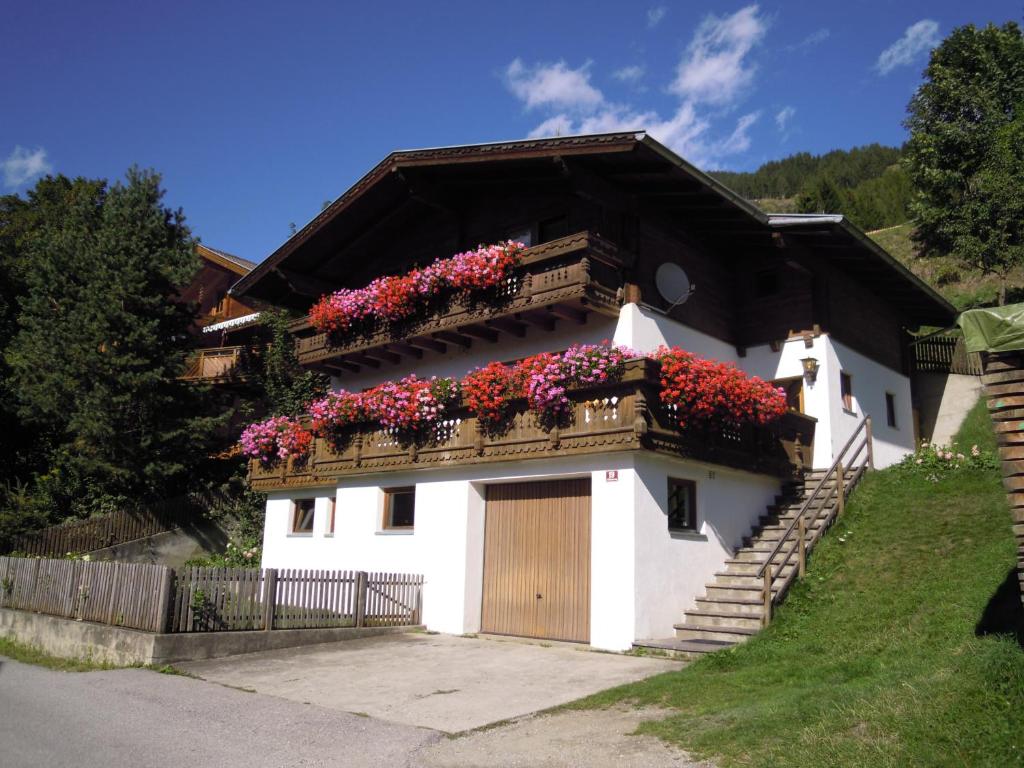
{"points": [[552, 229], [302, 515], [682, 505], [522, 235], [846, 390], [890, 409], [332, 506], [399, 507]]}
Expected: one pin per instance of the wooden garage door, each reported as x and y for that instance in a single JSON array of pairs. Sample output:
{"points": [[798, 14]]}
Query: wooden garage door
{"points": [[537, 560]]}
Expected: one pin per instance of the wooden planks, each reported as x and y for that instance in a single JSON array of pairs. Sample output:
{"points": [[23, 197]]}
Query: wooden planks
{"points": [[121, 594], [537, 560]]}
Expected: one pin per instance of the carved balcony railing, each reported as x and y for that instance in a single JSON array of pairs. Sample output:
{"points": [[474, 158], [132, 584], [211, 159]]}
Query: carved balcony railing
{"points": [[563, 280], [623, 416]]}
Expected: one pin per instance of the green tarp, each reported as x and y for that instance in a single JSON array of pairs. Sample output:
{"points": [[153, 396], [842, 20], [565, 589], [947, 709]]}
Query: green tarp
{"points": [[993, 329]]}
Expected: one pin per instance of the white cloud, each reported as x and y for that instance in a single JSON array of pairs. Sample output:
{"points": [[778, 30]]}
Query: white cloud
{"points": [[552, 85], [712, 74], [655, 15], [715, 69], [631, 74], [783, 116], [816, 37], [919, 37], [23, 164]]}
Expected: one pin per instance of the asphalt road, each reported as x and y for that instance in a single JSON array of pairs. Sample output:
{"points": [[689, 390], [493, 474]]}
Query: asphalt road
{"points": [[135, 717]]}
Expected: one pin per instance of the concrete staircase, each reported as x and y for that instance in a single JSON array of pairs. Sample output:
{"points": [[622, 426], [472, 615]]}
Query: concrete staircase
{"points": [[732, 608]]}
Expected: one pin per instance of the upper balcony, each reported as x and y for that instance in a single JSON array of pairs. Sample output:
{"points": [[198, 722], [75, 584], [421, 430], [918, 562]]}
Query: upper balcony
{"points": [[221, 364], [622, 416], [559, 281]]}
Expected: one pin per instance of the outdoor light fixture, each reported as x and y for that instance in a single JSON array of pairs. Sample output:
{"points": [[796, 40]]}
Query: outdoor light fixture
{"points": [[810, 369]]}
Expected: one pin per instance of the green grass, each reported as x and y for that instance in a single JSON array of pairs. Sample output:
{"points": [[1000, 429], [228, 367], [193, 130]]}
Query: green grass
{"points": [[879, 657], [977, 429], [29, 654]]}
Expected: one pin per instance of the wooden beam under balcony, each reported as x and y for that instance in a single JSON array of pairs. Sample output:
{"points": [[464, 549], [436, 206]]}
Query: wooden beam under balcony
{"points": [[424, 342], [405, 349], [569, 313], [362, 359], [454, 338], [508, 324], [540, 319], [480, 332], [379, 353]]}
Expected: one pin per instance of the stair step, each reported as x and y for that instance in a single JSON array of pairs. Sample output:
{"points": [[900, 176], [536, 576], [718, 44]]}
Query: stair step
{"points": [[744, 607], [688, 631], [716, 590], [722, 619], [686, 647], [745, 570]]}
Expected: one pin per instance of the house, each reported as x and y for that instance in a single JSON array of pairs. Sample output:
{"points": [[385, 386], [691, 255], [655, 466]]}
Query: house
{"points": [[227, 331], [606, 529]]}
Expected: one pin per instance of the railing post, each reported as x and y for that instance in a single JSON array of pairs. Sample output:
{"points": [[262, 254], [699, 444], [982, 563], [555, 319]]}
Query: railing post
{"points": [[802, 567], [840, 489], [269, 598], [870, 441], [767, 616], [165, 601], [361, 582]]}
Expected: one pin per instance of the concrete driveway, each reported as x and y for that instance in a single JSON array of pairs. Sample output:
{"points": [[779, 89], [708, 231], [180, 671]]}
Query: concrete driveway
{"points": [[447, 683]]}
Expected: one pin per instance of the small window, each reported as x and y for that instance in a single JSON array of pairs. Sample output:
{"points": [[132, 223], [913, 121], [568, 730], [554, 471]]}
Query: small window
{"points": [[302, 515], [522, 235], [399, 507], [794, 389], [766, 283], [890, 409], [552, 229], [846, 390], [682, 505], [332, 506]]}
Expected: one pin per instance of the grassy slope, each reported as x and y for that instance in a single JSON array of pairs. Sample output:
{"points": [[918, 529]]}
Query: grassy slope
{"points": [[874, 658]]}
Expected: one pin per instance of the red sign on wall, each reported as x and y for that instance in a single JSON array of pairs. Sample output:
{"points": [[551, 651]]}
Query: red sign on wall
{"points": [[611, 476]]}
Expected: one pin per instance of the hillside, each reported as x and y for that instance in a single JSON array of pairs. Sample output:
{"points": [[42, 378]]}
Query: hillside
{"points": [[963, 289], [897, 649]]}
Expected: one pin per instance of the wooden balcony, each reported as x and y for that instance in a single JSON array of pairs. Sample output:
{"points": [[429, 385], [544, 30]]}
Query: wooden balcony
{"points": [[220, 364], [624, 416], [560, 281]]}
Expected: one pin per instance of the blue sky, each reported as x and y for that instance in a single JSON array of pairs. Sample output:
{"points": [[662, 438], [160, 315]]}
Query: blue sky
{"points": [[255, 113]]}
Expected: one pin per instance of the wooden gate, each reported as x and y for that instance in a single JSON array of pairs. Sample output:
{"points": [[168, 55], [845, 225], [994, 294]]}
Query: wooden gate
{"points": [[537, 560]]}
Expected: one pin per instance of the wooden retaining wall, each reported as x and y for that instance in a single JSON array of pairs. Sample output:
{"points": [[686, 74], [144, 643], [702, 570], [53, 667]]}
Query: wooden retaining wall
{"points": [[1003, 379]]}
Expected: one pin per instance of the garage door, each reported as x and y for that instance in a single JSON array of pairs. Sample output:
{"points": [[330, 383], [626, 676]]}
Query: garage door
{"points": [[537, 560]]}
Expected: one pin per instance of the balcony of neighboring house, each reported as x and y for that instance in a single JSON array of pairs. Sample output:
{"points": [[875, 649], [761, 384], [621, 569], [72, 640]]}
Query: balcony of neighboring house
{"points": [[222, 364], [626, 415], [561, 281]]}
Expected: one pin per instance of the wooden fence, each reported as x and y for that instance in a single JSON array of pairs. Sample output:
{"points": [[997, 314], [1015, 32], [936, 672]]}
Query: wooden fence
{"points": [[122, 594], [111, 529], [945, 354], [157, 599]]}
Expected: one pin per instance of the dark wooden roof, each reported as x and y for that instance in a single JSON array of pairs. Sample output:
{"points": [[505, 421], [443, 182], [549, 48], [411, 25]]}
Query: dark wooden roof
{"points": [[630, 169]]}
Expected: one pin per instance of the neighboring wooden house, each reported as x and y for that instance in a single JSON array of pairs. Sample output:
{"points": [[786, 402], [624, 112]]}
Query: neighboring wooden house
{"points": [[607, 531], [228, 329]]}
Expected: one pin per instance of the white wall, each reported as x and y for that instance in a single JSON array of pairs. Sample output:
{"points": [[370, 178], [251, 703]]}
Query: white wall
{"points": [[645, 330], [457, 361], [871, 381], [672, 569]]}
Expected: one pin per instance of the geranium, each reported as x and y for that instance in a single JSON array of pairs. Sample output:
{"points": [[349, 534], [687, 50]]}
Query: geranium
{"points": [[397, 297], [488, 391], [331, 414], [699, 390], [275, 438], [409, 404]]}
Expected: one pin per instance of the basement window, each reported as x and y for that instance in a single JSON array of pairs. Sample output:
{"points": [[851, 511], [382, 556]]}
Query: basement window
{"points": [[400, 508], [302, 515], [682, 505], [890, 409]]}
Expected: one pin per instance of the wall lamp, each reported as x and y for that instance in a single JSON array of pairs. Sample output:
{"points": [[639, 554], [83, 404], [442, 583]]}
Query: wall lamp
{"points": [[810, 365]]}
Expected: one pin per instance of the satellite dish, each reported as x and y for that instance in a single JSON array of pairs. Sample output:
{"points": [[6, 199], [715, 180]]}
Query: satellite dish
{"points": [[673, 284]]}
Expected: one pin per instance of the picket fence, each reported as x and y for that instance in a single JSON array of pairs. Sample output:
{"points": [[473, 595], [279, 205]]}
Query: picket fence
{"points": [[156, 598]]}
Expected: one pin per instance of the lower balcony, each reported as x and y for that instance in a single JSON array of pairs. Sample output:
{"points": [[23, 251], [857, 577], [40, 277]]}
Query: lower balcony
{"points": [[623, 416]]}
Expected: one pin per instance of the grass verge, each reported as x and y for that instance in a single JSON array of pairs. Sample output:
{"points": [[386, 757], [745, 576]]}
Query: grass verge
{"points": [[30, 654], [900, 647]]}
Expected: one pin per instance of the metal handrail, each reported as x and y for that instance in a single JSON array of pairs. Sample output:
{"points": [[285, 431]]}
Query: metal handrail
{"points": [[767, 572]]}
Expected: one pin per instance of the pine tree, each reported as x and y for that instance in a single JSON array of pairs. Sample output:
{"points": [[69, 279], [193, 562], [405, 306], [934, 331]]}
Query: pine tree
{"points": [[101, 341]]}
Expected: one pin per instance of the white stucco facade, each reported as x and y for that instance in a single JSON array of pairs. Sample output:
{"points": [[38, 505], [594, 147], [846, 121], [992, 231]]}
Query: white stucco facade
{"points": [[642, 576]]}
